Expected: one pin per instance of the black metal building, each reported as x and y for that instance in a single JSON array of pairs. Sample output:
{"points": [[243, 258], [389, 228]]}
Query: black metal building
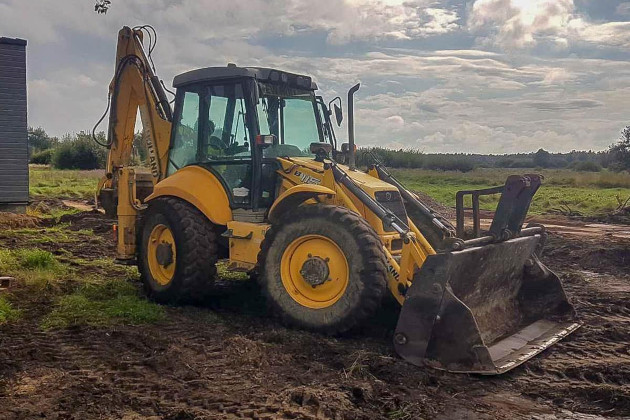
{"points": [[13, 126]]}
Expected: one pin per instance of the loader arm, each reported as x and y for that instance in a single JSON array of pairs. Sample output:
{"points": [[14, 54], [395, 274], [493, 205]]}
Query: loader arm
{"points": [[134, 87]]}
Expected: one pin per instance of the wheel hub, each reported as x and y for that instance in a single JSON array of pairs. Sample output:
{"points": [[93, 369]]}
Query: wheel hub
{"points": [[315, 271], [164, 254], [161, 254]]}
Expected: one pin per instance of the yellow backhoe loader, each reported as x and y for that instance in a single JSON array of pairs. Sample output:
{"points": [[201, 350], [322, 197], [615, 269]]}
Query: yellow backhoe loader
{"points": [[247, 167]]}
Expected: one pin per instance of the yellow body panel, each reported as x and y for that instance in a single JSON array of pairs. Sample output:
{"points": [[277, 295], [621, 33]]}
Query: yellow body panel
{"points": [[245, 241], [296, 195], [127, 210], [200, 188]]}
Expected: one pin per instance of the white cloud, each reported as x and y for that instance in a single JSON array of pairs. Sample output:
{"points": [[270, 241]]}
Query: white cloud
{"points": [[514, 24], [615, 34], [518, 24], [467, 100], [395, 121]]}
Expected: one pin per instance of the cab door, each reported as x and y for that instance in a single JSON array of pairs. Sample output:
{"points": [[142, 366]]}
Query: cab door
{"points": [[213, 130]]}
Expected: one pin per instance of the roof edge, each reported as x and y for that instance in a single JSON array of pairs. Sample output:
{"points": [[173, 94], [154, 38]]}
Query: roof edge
{"points": [[13, 41]]}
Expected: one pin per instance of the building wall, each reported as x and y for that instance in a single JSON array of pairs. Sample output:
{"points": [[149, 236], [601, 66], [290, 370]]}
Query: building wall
{"points": [[13, 126]]}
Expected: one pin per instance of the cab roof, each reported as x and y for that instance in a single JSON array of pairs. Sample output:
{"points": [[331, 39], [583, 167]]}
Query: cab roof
{"points": [[232, 71]]}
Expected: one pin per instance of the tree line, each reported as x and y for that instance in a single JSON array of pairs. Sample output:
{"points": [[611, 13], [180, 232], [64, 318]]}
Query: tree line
{"points": [[75, 151], [616, 158], [80, 151]]}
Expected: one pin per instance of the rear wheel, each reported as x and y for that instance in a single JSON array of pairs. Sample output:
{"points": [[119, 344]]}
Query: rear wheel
{"points": [[324, 270], [177, 252]]}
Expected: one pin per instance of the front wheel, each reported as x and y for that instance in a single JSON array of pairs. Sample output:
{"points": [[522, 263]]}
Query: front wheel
{"points": [[177, 252], [324, 270]]}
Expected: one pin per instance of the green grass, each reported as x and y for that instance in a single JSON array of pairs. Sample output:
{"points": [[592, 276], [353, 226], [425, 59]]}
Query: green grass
{"points": [[37, 269], [28, 259], [108, 303], [58, 234], [45, 212], [7, 312], [225, 274], [53, 183], [95, 299], [585, 192]]}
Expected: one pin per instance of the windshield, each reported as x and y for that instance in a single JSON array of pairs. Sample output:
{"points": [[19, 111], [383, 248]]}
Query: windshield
{"points": [[291, 116]]}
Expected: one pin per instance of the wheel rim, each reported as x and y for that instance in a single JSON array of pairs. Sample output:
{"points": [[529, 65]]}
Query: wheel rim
{"points": [[314, 271], [162, 254]]}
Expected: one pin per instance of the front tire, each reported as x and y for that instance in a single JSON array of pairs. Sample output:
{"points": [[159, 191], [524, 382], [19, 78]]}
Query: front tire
{"points": [[177, 252], [323, 270]]}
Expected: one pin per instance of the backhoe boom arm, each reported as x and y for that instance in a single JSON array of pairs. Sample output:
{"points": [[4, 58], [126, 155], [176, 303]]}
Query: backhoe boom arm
{"points": [[136, 87]]}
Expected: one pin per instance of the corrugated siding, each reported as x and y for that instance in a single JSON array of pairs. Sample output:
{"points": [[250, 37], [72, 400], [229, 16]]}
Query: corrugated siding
{"points": [[13, 124]]}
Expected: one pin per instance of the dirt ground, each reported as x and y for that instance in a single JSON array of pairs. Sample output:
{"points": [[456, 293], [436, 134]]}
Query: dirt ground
{"points": [[229, 360]]}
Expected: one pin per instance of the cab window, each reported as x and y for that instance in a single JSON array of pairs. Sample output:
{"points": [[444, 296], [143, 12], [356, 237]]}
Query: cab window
{"points": [[211, 131]]}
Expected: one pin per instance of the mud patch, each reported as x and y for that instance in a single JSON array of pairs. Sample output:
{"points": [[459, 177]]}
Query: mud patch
{"points": [[230, 360], [17, 221]]}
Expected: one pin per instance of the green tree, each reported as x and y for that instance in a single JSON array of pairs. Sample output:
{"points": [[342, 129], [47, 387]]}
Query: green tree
{"points": [[620, 152], [39, 140], [140, 152], [79, 152], [542, 158]]}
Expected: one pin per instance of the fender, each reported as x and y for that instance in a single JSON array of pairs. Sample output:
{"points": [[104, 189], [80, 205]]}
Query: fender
{"points": [[200, 188], [295, 196]]}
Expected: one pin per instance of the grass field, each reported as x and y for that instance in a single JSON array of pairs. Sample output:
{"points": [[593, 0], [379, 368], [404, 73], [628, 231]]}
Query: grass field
{"points": [[53, 183], [586, 193]]}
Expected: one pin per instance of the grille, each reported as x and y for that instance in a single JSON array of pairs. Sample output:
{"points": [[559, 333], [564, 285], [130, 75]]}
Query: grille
{"points": [[392, 201]]}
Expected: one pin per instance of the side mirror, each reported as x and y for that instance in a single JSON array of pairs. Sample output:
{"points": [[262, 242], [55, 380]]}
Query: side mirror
{"points": [[336, 105], [338, 114]]}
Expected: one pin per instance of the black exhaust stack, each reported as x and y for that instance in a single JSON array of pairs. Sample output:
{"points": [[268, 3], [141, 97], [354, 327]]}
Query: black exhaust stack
{"points": [[352, 152]]}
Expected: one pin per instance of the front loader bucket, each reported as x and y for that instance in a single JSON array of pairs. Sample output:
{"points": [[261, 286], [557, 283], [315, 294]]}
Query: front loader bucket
{"points": [[483, 310]]}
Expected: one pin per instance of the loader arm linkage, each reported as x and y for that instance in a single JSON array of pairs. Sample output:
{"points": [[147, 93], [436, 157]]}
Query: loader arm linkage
{"points": [[483, 305]]}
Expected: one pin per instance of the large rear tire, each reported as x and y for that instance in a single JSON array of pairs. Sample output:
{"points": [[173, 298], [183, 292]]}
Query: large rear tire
{"points": [[323, 270], [177, 252]]}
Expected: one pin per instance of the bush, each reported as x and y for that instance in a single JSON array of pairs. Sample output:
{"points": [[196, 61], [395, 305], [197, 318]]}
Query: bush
{"points": [[43, 157], [586, 166], [448, 163], [80, 152], [415, 159]]}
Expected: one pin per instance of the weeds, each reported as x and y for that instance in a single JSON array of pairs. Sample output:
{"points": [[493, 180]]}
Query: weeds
{"points": [[7, 312], [34, 268], [406, 411], [29, 259], [112, 302], [58, 234], [225, 274], [359, 367], [52, 183]]}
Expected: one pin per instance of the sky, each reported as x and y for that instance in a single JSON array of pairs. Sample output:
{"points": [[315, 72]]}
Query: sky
{"points": [[476, 76]]}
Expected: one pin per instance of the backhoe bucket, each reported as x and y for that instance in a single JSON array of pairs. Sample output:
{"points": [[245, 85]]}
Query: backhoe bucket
{"points": [[484, 309]]}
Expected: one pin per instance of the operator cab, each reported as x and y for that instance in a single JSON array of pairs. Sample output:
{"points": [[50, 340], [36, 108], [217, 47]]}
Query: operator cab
{"points": [[234, 121]]}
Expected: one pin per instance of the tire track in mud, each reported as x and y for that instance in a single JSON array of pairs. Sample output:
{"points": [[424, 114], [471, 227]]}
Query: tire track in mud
{"points": [[230, 361], [175, 370], [590, 370]]}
